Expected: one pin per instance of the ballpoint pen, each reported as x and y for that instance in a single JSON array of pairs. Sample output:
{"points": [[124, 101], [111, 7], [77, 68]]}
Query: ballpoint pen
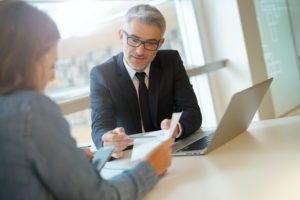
{"points": [[140, 136]]}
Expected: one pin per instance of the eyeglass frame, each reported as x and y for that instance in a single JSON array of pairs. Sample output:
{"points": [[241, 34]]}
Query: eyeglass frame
{"points": [[140, 42]]}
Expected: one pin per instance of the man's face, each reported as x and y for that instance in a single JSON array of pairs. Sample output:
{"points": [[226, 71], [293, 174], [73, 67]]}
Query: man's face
{"points": [[139, 57]]}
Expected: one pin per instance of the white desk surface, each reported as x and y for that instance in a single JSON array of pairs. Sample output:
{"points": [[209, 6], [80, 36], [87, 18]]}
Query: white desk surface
{"points": [[261, 164]]}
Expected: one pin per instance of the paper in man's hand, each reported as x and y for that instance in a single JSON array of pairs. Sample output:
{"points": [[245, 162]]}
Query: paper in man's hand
{"points": [[143, 146]]}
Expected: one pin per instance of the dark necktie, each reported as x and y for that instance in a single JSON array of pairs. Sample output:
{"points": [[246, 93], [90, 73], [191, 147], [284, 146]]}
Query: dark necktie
{"points": [[144, 101]]}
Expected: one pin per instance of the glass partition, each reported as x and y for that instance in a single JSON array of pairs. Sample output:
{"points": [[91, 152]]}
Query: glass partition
{"points": [[279, 26]]}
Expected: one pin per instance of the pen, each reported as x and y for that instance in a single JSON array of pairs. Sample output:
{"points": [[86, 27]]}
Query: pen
{"points": [[140, 136], [84, 147]]}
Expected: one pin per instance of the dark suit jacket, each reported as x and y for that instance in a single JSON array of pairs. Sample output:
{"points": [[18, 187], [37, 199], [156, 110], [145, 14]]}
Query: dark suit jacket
{"points": [[114, 100]]}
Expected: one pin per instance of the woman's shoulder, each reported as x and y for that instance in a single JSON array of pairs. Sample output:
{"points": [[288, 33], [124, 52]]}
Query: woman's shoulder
{"points": [[30, 96], [32, 100]]}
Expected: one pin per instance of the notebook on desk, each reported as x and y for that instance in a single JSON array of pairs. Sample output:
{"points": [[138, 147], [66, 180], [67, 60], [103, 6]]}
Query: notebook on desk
{"points": [[236, 119]]}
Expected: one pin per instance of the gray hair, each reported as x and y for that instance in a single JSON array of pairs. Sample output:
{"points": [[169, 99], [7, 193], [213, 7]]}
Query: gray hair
{"points": [[147, 14]]}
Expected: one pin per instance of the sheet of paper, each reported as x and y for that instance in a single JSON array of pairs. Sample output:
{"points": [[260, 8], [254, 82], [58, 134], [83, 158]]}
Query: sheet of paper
{"points": [[117, 166], [143, 146]]}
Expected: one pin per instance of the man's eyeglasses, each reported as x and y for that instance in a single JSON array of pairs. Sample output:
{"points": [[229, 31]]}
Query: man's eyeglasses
{"points": [[136, 42]]}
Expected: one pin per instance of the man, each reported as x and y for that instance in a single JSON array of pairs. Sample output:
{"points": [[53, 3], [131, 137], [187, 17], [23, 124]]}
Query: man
{"points": [[120, 97]]}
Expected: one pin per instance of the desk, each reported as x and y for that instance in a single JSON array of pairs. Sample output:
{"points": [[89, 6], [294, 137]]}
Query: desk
{"points": [[261, 164]]}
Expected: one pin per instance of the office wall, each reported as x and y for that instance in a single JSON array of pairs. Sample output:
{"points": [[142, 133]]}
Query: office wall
{"points": [[255, 53], [231, 30], [222, 37]]}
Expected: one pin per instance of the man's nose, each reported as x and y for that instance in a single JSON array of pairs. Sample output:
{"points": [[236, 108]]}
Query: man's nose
{"points": [[140, 49]]}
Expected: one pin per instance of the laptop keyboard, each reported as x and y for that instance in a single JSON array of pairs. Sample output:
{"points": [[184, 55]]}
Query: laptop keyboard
{"points": [[199, 144]]}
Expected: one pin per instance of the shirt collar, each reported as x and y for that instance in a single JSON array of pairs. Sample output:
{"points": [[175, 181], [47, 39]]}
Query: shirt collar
{"points": [[132, 72]]}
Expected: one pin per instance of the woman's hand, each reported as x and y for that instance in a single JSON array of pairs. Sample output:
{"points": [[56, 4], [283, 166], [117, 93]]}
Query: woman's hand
{"points": [[160, 158]]}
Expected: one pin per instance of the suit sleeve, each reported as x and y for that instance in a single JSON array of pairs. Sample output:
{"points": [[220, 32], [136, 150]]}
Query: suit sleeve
{"points": [[102, 110], [185, 100]]}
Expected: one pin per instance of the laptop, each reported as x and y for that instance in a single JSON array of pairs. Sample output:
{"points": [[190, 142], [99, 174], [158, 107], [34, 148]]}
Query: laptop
{"points": [[236, 119]]}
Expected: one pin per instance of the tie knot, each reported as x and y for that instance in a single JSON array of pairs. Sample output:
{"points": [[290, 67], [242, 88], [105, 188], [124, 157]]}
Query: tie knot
{"points": [[141, 76]]}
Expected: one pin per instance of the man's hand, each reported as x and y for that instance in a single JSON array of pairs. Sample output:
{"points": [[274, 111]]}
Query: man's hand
{"points": [[165, 125], [118, 138]]}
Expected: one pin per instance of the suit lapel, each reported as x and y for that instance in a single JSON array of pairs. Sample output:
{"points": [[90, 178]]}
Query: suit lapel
{"points": [[127, 88]]}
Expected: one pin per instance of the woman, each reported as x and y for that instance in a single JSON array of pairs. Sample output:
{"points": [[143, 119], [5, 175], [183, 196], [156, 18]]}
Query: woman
{"points": [[38, 157]]}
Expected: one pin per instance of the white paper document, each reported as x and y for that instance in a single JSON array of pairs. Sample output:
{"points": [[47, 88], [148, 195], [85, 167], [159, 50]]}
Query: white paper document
{"points": [[144, 145]]}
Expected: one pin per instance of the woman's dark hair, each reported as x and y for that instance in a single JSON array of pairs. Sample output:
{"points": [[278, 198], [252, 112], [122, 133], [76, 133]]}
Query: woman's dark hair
{"points": [[27, 33]]}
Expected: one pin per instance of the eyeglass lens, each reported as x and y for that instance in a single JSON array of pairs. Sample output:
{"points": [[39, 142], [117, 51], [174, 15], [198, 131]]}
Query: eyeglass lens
{"points": [[135, 42]]}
